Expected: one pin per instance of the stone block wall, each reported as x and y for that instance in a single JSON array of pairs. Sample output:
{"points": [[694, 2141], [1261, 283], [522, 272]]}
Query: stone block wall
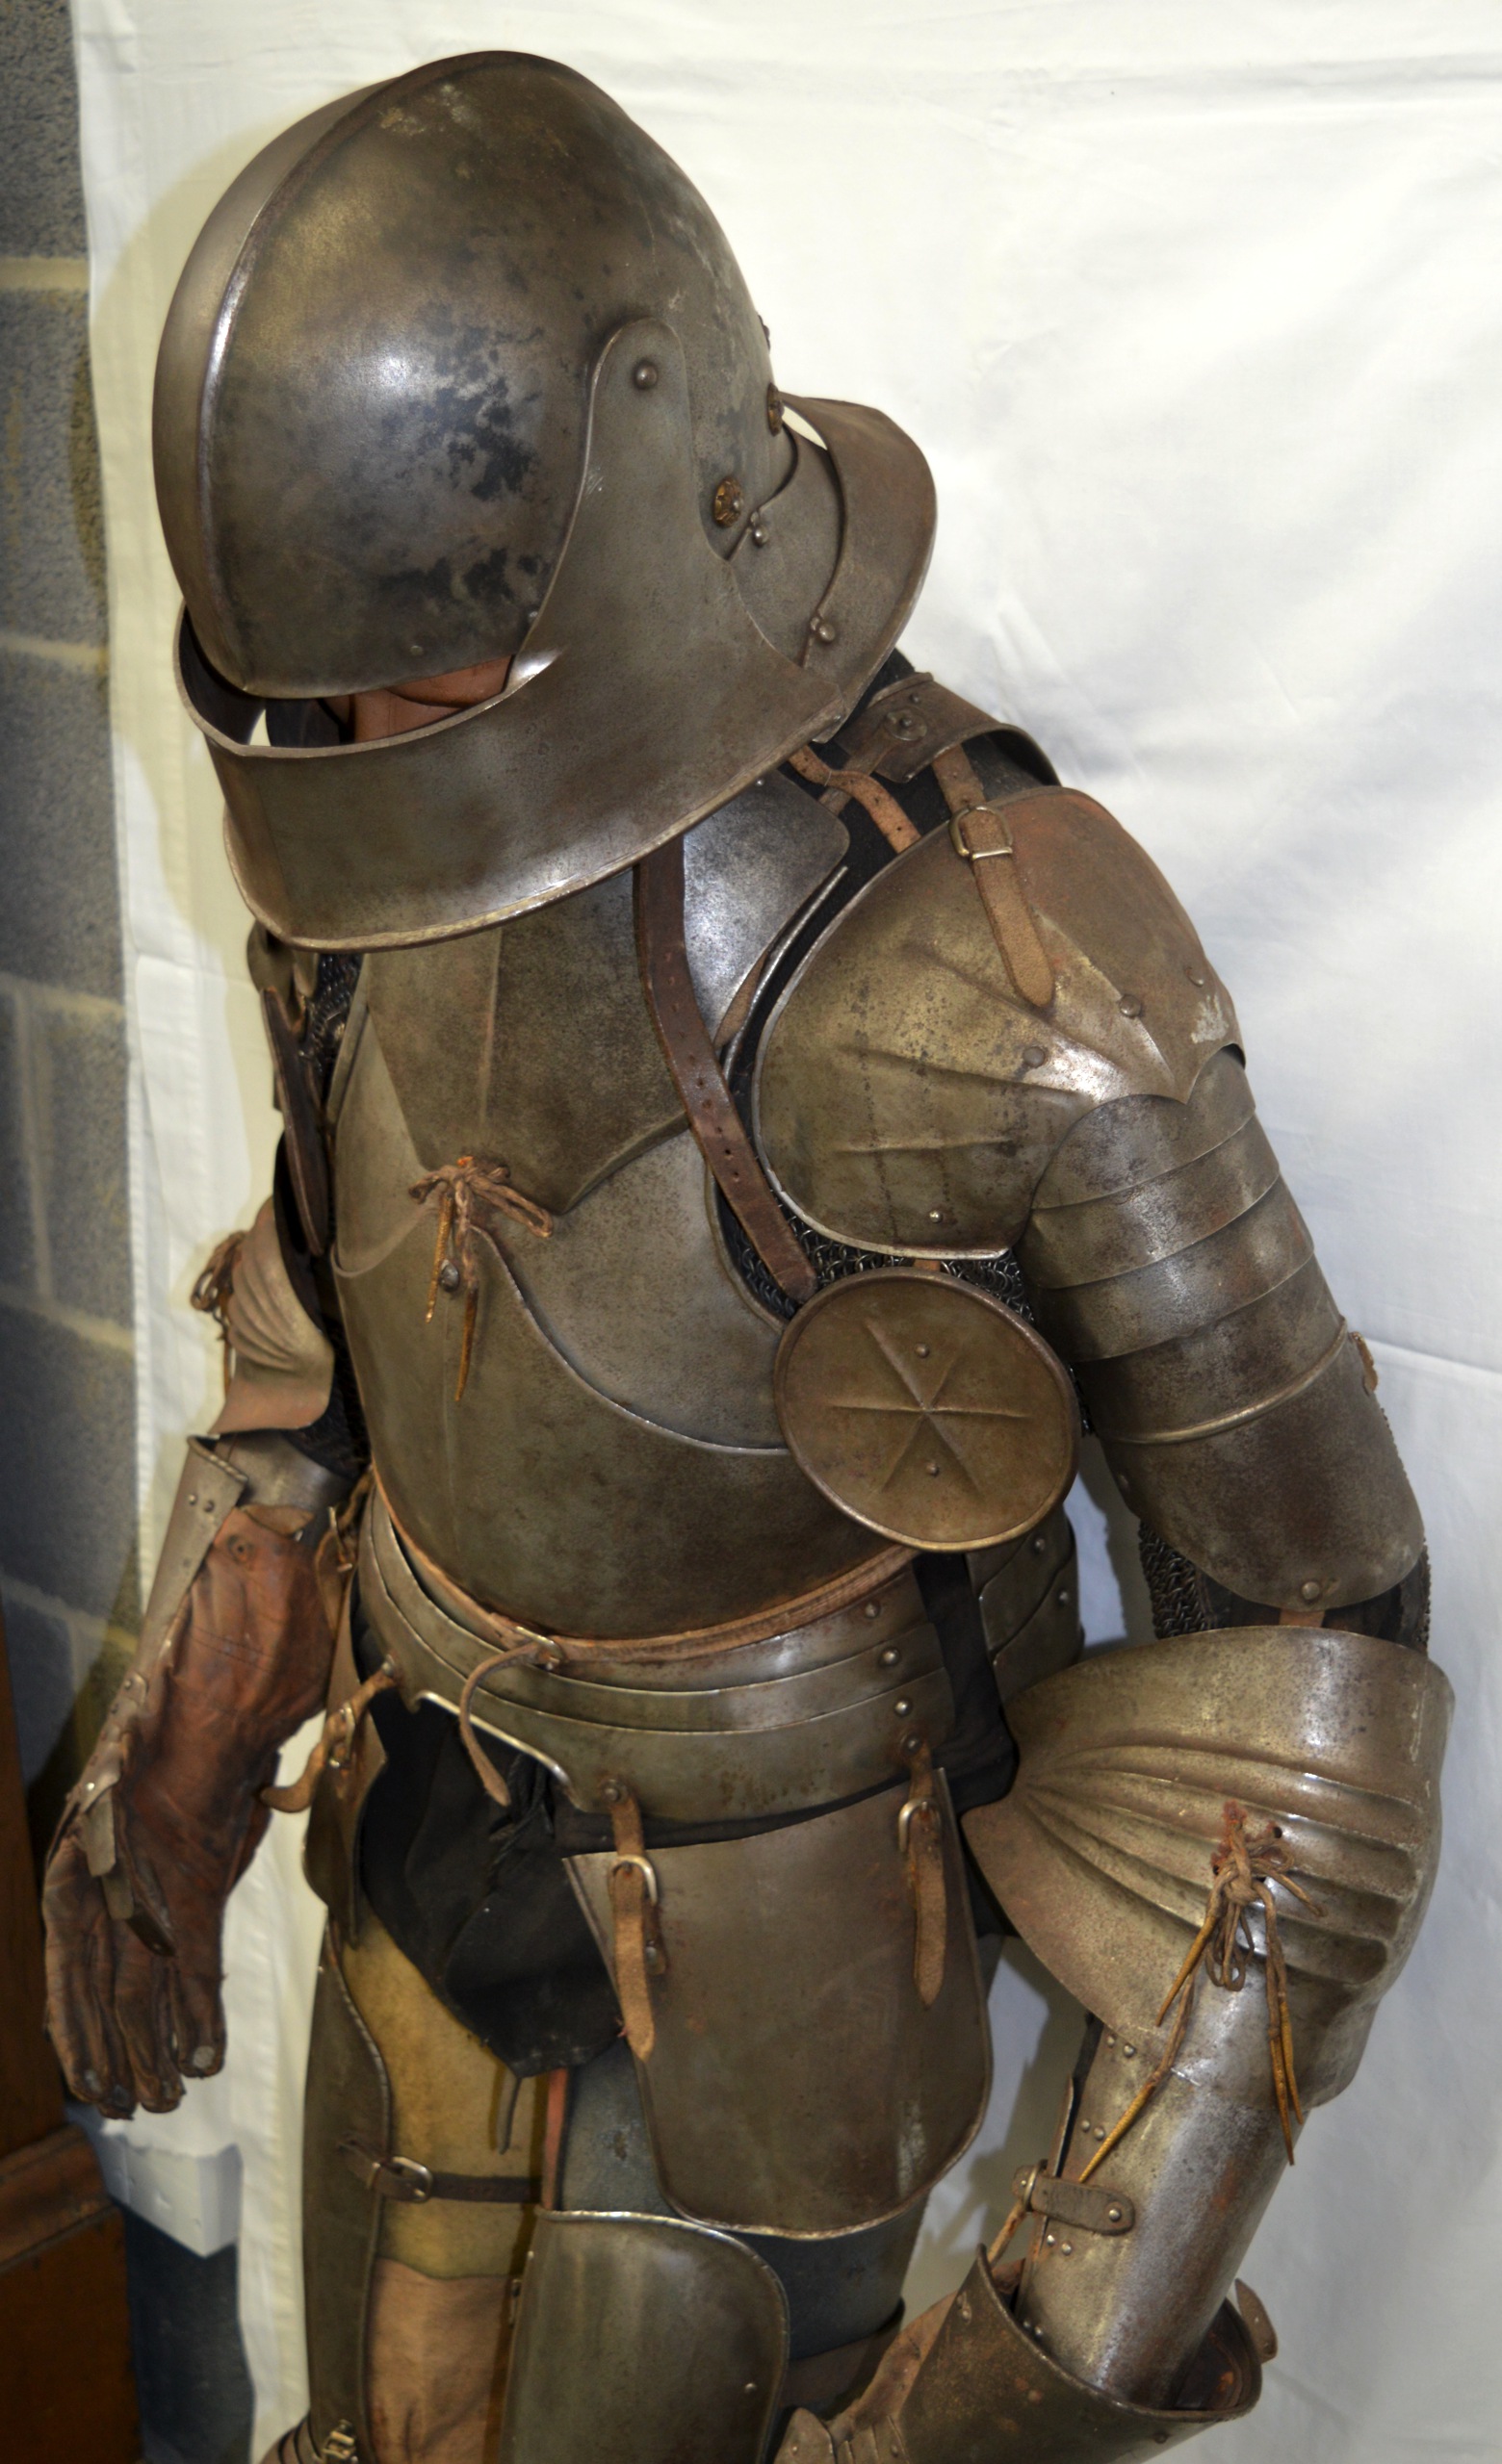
{"points": [[67, 1510]]}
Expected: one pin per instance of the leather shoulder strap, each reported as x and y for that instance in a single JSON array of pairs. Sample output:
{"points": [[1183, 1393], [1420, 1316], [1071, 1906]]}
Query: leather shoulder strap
{"points": [[690, 1057]]}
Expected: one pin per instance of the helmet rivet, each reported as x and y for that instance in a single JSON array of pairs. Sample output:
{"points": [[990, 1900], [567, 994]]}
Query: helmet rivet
{"points": [[1308, 1590], [449, 1275], [823, 629], [759, 533], [730, 502], [644, 375], [774, 410]]}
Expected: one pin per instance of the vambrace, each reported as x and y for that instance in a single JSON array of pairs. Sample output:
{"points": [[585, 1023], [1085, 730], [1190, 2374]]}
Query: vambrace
{"points": [[1175, 1273], [1138, 1768]]}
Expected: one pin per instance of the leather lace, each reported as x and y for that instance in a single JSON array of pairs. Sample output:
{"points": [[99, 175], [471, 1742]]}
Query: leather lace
{"points": [[468, 1191]]}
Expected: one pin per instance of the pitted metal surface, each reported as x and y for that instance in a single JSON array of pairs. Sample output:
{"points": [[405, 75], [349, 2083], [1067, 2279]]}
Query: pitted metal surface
{"points": [[687, 2335], [584, 762], [1175, 1272], [1100, 1853], [802, 1719], [798, 2084], [908, 1100]]}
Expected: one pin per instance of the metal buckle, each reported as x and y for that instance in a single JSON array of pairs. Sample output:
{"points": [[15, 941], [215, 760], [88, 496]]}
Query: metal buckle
{"points": [[645, 1867], [339, 2447], [961, 844], [417, 2178], [906, 1813]]}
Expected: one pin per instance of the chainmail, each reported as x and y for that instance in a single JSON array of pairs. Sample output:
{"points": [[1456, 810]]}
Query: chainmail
{"points": [[1186, 1601], [1176, 1587], [831, 1261], [324, 1020]]}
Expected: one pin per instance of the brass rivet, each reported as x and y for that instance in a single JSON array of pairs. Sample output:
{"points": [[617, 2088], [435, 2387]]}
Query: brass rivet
{"points": [[1308, 1590], [775, 409], [730, 502], [644, 375]]}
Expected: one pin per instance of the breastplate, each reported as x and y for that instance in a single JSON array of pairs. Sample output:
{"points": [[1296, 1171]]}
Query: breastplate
{"points": [[614, 1465]]}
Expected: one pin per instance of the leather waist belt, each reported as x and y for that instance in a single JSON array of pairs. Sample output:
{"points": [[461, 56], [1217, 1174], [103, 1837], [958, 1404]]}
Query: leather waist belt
{"points": [[801, 1717]]}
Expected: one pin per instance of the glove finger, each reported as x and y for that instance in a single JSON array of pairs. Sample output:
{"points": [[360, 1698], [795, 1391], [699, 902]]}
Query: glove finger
{"points": [[86, 2007], [141, 2009], [197, 2022]]}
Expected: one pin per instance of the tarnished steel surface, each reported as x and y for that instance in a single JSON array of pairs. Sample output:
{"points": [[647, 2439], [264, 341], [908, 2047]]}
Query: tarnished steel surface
{"points": [[538, 1491], [801, 1719], [1174, 1270], [797, 2084], [926, 1409], [347, 2092], [840, 2289], [1029, 1607], [1101, 1855], [210, 1488], [906, 726], [283, 1363], [638, 2339], [482, 224], [612, 734], [532, 1040], [1199, 2166], [908, 1100], [987, 2393]]}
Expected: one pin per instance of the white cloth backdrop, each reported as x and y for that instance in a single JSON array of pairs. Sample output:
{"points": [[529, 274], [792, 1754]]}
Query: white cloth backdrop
{"points": [[1196, 312]]}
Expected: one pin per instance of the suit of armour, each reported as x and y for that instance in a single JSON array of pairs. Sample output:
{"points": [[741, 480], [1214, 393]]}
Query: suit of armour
{"points": [[744, 1117]]}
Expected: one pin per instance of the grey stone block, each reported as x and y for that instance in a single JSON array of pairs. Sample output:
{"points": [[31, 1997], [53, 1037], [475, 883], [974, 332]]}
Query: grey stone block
{"points": [[58, 905], [67, 1451], [196, 2401], [41, 1652], [42, 205], [51, 541], [17, 1255], [79, 1060]]}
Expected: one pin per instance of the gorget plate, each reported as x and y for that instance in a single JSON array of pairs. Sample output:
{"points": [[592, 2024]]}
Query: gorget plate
{"points": [[926, 1410]]}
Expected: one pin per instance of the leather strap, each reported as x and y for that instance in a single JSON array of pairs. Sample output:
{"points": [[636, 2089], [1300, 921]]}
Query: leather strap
{"points": [[982, 835], [403, 2178], [689, 1054], [640, 1953], [878, 801]]}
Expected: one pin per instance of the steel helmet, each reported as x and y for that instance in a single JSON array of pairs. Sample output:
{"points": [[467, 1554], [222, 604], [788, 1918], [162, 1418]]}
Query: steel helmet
{"points": [[462, 368]]}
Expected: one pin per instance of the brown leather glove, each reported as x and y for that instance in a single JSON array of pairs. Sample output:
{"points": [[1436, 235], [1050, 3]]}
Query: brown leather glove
{"points": [[166, 1815]]}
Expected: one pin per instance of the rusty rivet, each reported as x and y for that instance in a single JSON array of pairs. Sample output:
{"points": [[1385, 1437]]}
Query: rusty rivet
{"points": [[775, 410], [644, 375], [449, 1275], [610, 1792], [550, 1656], [1308, 1590], [1035, 2395], [823, 629], [912, 1745], [730, 502]]}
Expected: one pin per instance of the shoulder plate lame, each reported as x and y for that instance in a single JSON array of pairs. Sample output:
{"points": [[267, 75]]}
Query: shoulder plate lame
{"points": [[908, 1100]]}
